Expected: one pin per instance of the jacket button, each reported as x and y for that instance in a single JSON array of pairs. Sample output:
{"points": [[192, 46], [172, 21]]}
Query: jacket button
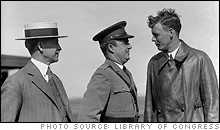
{"points": [[159, 111], [182, 109]]}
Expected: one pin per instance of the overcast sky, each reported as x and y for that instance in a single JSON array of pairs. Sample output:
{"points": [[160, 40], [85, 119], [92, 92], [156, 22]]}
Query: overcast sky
{"points": [[81, 20]]}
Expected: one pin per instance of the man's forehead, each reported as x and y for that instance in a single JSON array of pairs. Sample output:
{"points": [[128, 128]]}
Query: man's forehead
{"points": [[157, 28], [123, 40]]}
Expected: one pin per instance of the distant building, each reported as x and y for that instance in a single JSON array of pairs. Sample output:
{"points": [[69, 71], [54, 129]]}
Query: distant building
{"points": [[11, 64]]}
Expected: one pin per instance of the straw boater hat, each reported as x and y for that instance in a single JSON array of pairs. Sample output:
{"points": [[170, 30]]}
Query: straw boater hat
{"points": [[40, 30]]}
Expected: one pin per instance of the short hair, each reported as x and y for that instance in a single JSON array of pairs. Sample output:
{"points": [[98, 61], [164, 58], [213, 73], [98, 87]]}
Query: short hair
{"points": [[104, 47], [168, 18], [31, 45]]}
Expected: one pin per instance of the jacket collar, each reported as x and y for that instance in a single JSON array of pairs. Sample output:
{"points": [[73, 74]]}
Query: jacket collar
{"points": [[118, 70], [181, 55]]}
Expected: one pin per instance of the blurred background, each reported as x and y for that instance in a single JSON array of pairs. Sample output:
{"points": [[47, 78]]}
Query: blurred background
{"points": [[81, 20]]}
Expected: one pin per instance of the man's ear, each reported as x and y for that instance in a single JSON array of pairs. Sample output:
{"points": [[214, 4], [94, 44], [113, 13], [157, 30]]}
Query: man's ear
{"points": [[111, 48], [39, 46], [171, 33]]}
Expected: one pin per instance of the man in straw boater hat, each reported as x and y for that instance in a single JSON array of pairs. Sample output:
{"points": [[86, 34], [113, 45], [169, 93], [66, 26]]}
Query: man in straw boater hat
{"points": [[111, 94], [34, 93]]}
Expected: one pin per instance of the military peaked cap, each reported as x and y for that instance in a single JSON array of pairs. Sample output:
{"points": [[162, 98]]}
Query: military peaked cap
{"points": [[114, 32]]}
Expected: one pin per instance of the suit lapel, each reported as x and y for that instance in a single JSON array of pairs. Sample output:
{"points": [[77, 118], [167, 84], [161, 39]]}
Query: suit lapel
{"points": [[39, 81], [61, 90], [63, 95]]}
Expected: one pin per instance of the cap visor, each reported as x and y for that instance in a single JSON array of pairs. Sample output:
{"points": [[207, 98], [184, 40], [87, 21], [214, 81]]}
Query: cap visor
{"points": [[124, 37]]}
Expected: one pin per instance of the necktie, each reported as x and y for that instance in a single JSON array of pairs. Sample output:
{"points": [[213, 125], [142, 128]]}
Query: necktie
{"points": [[49, 74], [131, 89], [171, 69], [171, 62], [51, 82], [125, 70], [57, 95]]}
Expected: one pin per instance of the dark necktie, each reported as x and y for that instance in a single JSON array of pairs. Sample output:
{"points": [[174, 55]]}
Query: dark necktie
{"points": [[131, 89], [57, 95], [171, 70], [125, 70], [49, 74], [51, 82], [171, 62]]}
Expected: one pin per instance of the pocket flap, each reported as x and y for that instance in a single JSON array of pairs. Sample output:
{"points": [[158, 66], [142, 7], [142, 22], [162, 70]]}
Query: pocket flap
{"points": [[121, 89]]}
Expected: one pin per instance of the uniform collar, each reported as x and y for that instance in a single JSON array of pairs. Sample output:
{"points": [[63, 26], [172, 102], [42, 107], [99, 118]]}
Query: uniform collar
{"points": [[118, 70], [119, 65], [113, 64]]}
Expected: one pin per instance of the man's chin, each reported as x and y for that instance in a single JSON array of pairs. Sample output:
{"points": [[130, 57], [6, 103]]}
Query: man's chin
{"points": [[55, 60], [128, 58]]}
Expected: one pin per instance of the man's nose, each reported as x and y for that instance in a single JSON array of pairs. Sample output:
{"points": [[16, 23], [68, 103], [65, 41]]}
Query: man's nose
{"points": [[153, 39], [129, 46], [59, 47]]}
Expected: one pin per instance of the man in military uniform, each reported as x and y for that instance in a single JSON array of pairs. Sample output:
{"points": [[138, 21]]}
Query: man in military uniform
{"points": [[111, 94]]}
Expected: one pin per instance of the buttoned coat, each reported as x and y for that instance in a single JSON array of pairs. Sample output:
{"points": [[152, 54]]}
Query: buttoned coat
{"points": [[108, 95], [191, 96], [27, 97]]}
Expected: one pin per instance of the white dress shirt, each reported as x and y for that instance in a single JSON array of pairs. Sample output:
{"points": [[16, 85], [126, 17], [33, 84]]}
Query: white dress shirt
{"points": [[119, 65], [174, 52], [42, 67]]}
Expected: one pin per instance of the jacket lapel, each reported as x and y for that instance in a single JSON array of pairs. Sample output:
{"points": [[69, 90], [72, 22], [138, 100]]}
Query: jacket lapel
{"points": [[180, 57], [183, 52], [63, 96], [39, 81], [118, 70], [163, 58], [61, 90]]}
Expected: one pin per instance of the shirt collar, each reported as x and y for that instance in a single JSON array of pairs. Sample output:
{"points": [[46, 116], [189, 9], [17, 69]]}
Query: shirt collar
{"points": [[174, 52], [119, 65], [41, 66]]}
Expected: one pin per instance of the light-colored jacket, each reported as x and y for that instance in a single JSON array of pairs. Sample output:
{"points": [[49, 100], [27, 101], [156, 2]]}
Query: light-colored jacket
{"points": [[27, 97]]}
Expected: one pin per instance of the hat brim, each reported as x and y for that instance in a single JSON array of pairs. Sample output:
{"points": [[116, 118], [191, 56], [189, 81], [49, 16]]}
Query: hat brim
{"points": [[27, 38], [124, 37]]}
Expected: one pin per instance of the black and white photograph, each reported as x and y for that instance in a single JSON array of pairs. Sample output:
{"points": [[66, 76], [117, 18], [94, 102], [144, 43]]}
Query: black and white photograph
{"points": [[110, 62]]}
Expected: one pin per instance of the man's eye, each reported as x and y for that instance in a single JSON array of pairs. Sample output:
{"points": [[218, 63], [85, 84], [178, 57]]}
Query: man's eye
{"points": [[155, 35]]}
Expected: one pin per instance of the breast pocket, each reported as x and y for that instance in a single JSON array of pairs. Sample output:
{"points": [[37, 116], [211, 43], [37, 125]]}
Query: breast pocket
{"points": [[121, 100]]}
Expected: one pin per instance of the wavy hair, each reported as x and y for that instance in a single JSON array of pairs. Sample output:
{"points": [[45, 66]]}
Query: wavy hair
{"points": [[168, 18]]}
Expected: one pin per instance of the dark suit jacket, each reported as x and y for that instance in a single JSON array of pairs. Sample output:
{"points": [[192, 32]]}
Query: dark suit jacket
{"points": [[27, 97], [107, 89], [191, 95]]}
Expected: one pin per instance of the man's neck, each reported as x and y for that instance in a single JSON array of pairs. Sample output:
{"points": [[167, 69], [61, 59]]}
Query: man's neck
{"points": [[112, 58], [39, 58], [174, 46]]}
